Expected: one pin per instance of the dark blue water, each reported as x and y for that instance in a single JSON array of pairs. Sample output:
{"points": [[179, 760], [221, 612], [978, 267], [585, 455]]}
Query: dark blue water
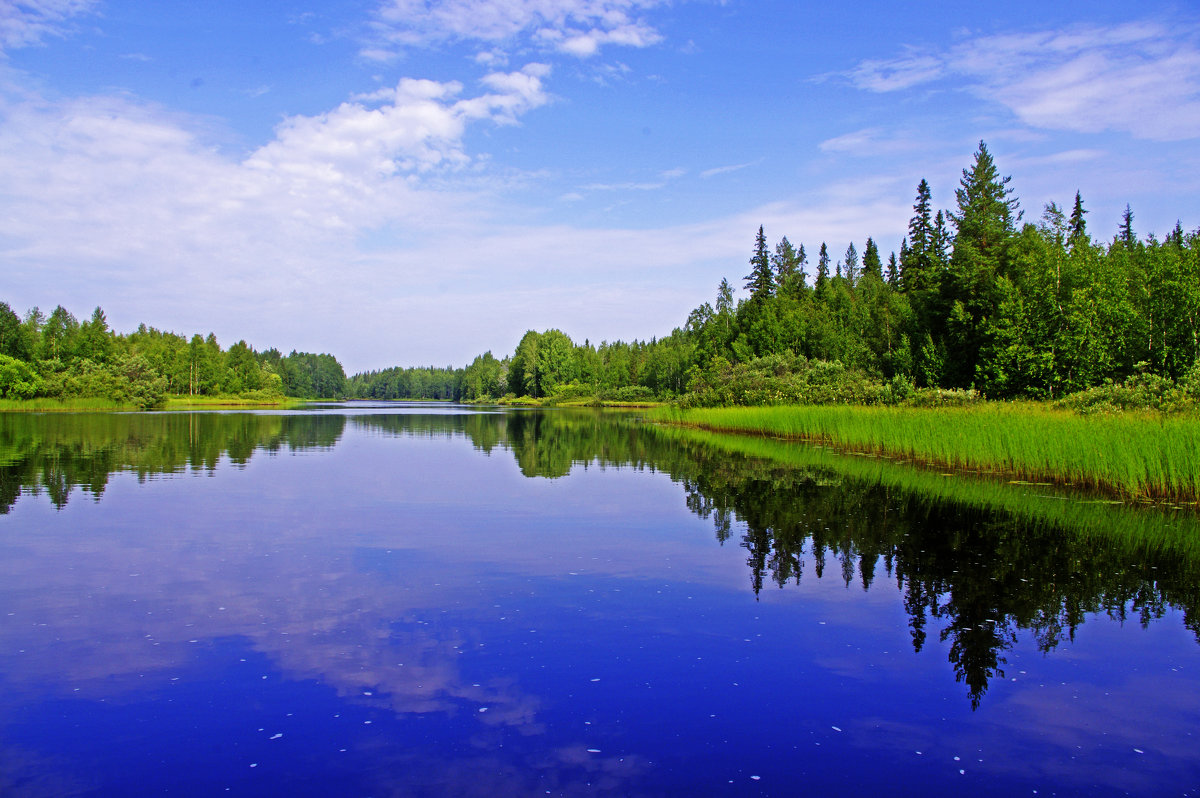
{"points": [[429, 602]]}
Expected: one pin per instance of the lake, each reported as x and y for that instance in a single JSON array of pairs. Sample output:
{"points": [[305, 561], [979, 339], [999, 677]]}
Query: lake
{"points": [[430, 600]]}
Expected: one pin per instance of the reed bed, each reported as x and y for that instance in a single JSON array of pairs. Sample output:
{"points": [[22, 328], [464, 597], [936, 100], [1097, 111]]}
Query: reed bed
{"points": [[1135, 455], [79, 404], [1137, 528]]}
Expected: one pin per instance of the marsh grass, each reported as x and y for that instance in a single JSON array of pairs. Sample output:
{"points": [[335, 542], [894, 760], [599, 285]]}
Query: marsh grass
{"points": [[227, 400], [79, 404], [1134, 455], [1134, 526]]}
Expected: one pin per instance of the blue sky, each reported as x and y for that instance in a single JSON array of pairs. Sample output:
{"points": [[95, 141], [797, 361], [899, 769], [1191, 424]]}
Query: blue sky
{"points": [[413, 182]]}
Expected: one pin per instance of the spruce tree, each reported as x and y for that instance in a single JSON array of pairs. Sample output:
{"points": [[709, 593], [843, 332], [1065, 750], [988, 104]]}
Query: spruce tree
{"points": [[760, 282], [822, 268], [987, 211], [1076, 226], [852, 263], [1126, 230], [986, 225], [785, 262], [871, 264]]}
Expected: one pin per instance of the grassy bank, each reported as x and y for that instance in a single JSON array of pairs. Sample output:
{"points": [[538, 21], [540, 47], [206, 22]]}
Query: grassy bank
{"points": [[92, 404], [1133, 455], [208, 402], [79, 404]]}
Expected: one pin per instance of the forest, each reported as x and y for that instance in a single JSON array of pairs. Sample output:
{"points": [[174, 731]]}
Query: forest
{"points": [[59, 357], [978, 303]]}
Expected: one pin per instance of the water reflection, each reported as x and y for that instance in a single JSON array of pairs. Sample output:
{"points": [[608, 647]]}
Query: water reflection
{"points": [[979, 575], [982, 574], [59, 452], [424, 593]]}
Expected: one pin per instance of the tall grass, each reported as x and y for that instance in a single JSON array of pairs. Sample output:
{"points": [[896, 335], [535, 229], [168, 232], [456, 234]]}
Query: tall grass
{"points": [[183, 402], [1137, 528], [1134, 455], [78, 404]]}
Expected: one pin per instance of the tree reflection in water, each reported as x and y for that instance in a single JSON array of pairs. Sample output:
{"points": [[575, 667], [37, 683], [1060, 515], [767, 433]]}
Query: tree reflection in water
{"points": [[980, 560]]}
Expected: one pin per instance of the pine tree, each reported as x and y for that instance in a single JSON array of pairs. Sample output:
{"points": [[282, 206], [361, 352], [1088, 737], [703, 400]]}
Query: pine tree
{"points": [[916, 261], [987, 211], [785, 262], [871, 265], [893, 271], [1126, 230], [852, 263], [760, 282], [1076, 226], [986, 225], [822, 268]]}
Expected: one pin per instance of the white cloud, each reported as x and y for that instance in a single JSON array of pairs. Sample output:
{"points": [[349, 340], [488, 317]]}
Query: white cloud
{"points": [[1142, 78], [576, 27], [351, 232], [871, 141], [114, 202], [30, 21], [624, 186], [723, 170], [898, 73], [414, 127]]}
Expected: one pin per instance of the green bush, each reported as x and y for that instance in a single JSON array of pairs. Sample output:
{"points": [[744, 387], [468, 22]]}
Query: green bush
{"points": [[18, 380], [782, 379], [1141, 392]]}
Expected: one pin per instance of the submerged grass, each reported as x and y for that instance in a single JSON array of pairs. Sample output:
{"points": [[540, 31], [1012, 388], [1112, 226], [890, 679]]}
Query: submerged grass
{"points": [[1135, 455]]}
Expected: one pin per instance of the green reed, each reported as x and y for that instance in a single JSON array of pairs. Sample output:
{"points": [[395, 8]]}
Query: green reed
{"points": [[1135, 455], [1137, 528], [77, 404]]}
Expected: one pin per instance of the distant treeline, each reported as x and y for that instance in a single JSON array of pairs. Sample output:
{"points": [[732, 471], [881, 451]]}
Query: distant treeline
{"points": [[974, 299], [57, 356]]}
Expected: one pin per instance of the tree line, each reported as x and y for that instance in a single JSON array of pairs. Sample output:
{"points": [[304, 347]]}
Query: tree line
{"points": [[976, 299], [58, 356]]}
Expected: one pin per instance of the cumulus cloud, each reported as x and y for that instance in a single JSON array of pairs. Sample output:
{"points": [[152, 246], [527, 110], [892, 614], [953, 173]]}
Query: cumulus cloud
{"points": [[1142, 78], [109, 197], [575, 27], [415, 127], [30, 21]]}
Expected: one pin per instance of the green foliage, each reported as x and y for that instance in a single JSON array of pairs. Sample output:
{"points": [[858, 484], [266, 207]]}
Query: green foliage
{"points": [[780, 379], [68, 360], [18, 380], [1141, 392]]}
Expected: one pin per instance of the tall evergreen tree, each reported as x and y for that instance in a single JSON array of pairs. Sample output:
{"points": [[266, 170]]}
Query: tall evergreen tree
{"points": [[986, 224], [785, 262], [872, 266], [852, 268], [914, 253], [987, 211], [822, 268], [1076, 226], [1125, 233], [760, 282], [893, 271]]}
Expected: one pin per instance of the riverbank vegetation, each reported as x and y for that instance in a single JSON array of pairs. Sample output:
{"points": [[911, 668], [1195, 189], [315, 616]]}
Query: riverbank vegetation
{"points": [[1142, 455], [56, 362], [979, 303]]}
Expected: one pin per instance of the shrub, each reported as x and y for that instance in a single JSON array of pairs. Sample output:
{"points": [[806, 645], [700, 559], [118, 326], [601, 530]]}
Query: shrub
{"points": [[1141, 392], [18, 380]]}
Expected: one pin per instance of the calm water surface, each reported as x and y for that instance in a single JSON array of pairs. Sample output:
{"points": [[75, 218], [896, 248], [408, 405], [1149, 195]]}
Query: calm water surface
{"points": [[429, 601]]}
